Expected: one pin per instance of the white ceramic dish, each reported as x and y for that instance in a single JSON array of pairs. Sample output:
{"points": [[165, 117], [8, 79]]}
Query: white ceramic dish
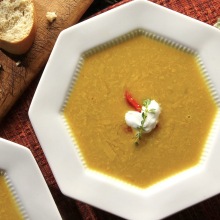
{"points": [[27, 183], [77, 182]]}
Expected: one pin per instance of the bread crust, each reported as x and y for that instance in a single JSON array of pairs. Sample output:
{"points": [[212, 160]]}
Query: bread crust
{"points": [[21, 46]]}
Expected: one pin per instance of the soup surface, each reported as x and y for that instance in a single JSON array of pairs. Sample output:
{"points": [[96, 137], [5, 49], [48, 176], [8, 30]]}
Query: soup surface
{"points": [[8, 206], [147, 68]]}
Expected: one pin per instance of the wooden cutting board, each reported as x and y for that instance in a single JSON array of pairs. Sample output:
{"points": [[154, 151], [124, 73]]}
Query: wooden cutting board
{"points": [[17, 72]]}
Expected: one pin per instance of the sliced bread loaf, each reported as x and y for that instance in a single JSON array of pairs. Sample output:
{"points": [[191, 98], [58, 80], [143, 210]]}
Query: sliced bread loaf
{"points": [[17, 25]]}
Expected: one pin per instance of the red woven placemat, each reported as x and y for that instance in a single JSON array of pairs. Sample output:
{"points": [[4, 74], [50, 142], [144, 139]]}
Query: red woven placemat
{"points": [[17, 128]]}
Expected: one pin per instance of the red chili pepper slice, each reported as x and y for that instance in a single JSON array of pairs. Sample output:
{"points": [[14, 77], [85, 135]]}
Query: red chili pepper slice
{"points": [[131, 101]]}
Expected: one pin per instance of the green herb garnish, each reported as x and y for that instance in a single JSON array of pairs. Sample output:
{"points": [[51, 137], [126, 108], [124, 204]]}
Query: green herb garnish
{"points": [[144, 114]]}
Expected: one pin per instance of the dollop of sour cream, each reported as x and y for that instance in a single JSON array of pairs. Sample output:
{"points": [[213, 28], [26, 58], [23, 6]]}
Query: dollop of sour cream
{"points": [[134, 118]]}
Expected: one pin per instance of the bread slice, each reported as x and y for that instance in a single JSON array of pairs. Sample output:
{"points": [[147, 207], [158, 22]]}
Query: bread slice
{"points": [[17, 25]]}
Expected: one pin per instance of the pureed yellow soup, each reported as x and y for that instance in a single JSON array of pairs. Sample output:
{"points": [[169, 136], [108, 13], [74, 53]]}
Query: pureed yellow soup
{"points": [[147, 68], [8, 206]]}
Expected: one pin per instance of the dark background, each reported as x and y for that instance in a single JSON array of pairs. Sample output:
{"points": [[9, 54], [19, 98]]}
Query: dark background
{"points": [[97, 6]]}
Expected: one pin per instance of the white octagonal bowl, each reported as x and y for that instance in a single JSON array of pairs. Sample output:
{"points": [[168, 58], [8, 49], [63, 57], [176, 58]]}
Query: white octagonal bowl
{"points": [[162, 199], [26, 182]]}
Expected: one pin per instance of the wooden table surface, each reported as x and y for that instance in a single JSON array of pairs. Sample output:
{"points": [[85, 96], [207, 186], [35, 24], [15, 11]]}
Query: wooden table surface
{"points": [[14, 78]]}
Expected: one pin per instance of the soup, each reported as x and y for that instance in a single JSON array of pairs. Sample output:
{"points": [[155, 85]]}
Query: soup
{"points": [[147, 68], [8, 206]]}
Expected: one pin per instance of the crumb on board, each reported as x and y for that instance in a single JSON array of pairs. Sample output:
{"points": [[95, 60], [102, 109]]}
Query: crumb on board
{"points": [[18, 63], [51, 16]]}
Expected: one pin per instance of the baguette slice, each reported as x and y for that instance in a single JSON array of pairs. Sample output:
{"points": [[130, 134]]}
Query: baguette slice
{"points": [[17, 25]]}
